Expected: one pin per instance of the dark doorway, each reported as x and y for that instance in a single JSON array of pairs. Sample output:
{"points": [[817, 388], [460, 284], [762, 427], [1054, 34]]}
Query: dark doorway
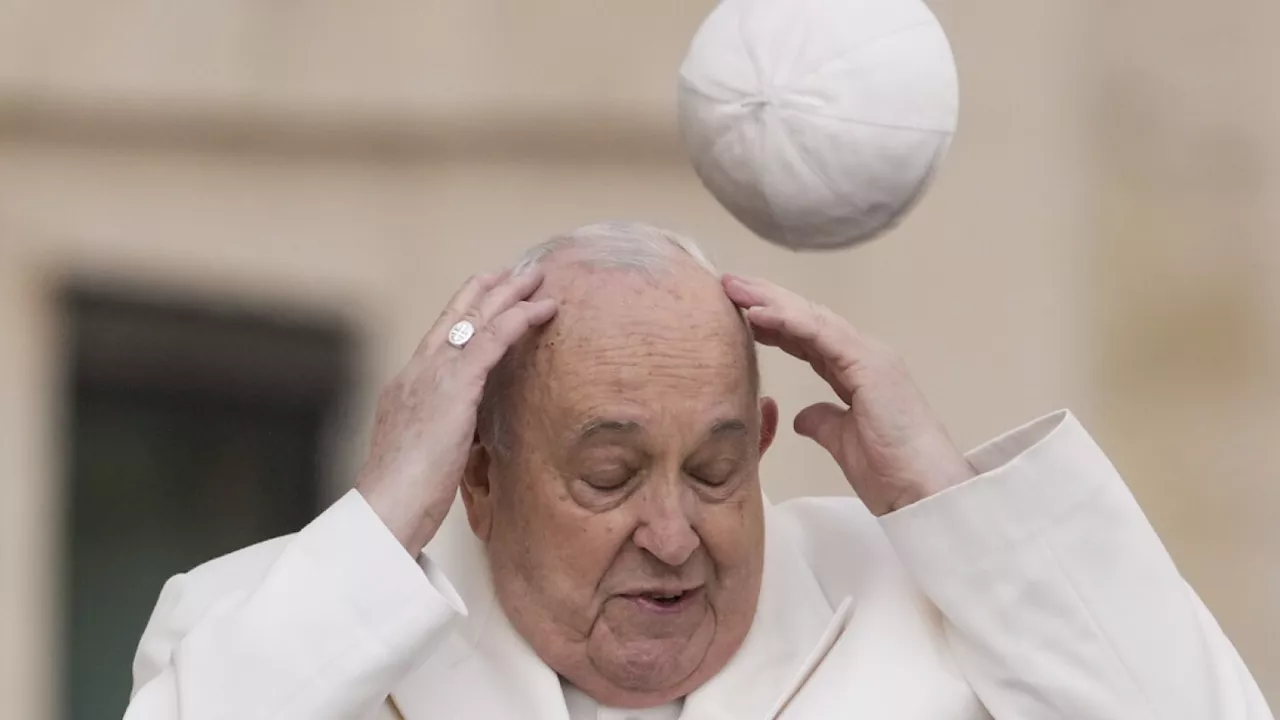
{"points": [[193, 431]]}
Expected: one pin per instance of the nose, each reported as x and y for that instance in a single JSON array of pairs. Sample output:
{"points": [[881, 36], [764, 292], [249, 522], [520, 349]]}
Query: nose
{"points": [[665, 529]]}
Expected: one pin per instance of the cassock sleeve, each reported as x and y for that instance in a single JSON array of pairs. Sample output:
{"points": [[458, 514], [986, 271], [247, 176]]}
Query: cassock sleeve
{"points": [[1060, 600], [322, 629]]}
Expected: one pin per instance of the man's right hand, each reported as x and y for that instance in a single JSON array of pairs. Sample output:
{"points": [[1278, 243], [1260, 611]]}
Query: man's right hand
{"points": [[426, 418]]}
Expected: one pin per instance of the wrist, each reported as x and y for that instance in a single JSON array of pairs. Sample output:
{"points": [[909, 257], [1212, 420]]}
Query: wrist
{"points": [[942, 477], [411, 525]]}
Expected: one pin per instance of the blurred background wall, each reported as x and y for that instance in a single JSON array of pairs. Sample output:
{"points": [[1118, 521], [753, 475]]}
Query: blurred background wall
{"points": [[224, 224]]}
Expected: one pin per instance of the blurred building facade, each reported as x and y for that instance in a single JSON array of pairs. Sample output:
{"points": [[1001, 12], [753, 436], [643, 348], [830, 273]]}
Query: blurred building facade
{"points": [[1103, 236]]}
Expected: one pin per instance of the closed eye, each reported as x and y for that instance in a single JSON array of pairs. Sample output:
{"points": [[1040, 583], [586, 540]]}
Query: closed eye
{"points": [[608, 479], [714, 474]]}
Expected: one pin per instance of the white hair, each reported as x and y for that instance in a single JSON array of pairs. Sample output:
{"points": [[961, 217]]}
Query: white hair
{"points": [[628, 246], [622, 245]]}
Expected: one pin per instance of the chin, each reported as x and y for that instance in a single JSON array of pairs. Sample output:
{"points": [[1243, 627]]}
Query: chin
{"points": [[646, 673], [654, 666], [639, 693]]}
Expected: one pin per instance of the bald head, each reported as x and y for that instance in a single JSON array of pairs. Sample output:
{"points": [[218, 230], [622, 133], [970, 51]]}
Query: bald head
{"points": [[636, 303]]}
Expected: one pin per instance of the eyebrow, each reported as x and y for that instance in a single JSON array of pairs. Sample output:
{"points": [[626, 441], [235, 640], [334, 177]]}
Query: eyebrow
{"points": [[612, 427], [602, 426], [728, 427]]}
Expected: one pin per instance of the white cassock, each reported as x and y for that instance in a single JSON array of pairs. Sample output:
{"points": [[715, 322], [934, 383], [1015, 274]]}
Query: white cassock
{"points": [[1037, 590]]}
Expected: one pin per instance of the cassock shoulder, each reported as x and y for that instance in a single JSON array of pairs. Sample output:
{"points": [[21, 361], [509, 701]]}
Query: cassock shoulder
{"points": [[190, 596], [845, 546], [230, 575]]}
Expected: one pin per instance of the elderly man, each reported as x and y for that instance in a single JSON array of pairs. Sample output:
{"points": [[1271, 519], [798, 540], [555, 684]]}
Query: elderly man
{"points": [[598, 412]]}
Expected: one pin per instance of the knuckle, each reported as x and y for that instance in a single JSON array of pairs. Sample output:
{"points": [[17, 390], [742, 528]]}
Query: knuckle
{"points": [[491, 331], [824, 316], [809, 327], [518, 321], [819, 313], [889, 360]]}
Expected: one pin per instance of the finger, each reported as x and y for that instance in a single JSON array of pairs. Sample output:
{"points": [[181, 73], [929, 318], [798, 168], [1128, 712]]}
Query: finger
{"points": [[505, 295], [745, 292], [771, 331], [749, 292], [471, 291], [798, 326], [821, 423], [756, 294], [499, 334], [769, 306], [777, 338]]}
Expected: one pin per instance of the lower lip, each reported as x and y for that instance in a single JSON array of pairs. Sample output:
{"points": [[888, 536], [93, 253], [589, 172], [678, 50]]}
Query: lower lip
{"points": [[650, 605]]}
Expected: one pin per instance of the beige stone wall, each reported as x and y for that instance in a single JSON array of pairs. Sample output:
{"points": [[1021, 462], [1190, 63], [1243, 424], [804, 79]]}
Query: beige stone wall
{"points": [[363, 159], [1185, 268]]}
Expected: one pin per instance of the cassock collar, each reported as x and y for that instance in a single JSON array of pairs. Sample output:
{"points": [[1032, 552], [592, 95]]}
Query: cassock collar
{"points": [[793, 627]]}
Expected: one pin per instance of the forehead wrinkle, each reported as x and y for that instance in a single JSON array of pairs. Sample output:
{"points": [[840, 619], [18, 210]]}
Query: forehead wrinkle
{"points": [[657, 337], [628, 431], [620, 330], [687, 376], [617, 336], [623, 376], [664, 328], [683, 304]]}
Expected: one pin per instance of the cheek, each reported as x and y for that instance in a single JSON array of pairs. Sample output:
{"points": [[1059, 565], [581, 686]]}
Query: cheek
{"points": [[733, 534], [559, 551]]}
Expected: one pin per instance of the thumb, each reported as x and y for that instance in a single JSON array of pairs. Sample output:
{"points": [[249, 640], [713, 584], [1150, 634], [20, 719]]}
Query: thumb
{"points": [[821, 423]]}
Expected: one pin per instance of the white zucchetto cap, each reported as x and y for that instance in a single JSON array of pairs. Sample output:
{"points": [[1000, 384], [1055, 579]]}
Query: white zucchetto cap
{"points": [[818, 123]]}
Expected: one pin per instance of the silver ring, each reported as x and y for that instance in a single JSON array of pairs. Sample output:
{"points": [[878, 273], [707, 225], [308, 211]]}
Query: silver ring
{"points": [[461, 333]]}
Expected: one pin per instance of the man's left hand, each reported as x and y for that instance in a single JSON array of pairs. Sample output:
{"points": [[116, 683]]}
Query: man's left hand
{"points": [[890, 444]]}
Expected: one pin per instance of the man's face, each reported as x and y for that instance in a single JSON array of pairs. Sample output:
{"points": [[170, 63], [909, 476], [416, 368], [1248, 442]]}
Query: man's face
{"points": [[625, 526]]}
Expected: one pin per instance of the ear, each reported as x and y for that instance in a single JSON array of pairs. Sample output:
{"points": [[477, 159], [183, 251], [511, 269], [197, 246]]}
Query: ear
{"points": [[768, 423], [477, 490]]}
